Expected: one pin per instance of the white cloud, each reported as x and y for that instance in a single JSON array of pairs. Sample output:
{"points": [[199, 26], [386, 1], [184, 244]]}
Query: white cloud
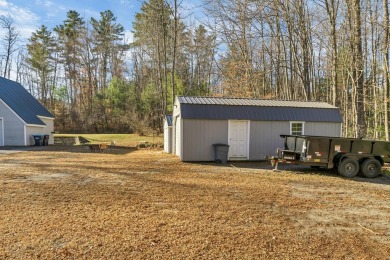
{"points": [[50, 11], [25, 21], [129, 37], [3, 3], [46, 3], [127, 3]]}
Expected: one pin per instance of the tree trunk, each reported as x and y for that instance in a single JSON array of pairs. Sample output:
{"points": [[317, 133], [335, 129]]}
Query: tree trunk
{"points": [[357, 65], [331, 8], [175, 30], [386, 95]]}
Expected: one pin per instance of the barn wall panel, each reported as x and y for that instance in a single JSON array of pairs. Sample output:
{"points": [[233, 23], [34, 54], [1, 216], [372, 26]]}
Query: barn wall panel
{"points": [[265, 138], [200, 135], [323, 129]]}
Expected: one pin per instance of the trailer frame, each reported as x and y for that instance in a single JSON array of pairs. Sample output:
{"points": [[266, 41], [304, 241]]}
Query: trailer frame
{"points": [[350, 156]]}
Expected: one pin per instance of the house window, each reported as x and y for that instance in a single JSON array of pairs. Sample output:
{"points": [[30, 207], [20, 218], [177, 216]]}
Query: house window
{"points": [[296, 128]]}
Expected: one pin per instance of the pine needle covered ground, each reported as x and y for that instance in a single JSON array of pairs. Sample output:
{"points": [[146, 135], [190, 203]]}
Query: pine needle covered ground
{"points": [[66, 202]]}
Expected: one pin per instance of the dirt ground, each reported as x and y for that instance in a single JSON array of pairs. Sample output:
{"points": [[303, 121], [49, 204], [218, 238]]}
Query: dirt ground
{"points": [[69, 203]]}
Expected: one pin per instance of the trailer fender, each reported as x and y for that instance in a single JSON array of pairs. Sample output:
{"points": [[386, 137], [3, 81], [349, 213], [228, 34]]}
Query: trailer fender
{"points": [[378, 158], [337, 158]]}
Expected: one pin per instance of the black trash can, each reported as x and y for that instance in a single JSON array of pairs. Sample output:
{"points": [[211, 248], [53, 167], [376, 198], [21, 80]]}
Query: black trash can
{"points": [[38, 139], [221, 152], [46, 140]]}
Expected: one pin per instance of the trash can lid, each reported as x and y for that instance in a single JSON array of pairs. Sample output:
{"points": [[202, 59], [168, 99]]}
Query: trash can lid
{"points": [[220, 145]]}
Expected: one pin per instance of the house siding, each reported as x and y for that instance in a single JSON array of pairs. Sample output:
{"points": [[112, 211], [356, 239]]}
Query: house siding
{"points": [[200, 135], [1, 132], [33, 130], [49, 129], [13, 126]]}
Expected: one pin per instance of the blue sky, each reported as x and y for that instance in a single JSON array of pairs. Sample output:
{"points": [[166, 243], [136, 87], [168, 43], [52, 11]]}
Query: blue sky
{"points": [[29, 15]]}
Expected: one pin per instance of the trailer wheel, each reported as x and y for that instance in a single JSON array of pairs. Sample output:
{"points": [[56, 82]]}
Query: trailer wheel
{"points": [[371, 168], [348, 168]]}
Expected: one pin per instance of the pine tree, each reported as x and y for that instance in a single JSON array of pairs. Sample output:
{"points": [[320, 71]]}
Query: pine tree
{"points": [[40, 48]]}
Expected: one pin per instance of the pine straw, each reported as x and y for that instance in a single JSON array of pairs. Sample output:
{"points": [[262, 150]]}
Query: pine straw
{"points": [[146, 204]]}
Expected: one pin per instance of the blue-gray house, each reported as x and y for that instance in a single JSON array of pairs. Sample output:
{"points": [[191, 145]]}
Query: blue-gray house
{"points": [[22, 116]]}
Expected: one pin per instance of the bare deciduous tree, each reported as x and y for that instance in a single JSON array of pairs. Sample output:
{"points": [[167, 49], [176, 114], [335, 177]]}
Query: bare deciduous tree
{"points": [[9, 40]]}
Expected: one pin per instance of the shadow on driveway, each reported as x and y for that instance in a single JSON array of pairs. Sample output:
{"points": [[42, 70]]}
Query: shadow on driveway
{"points": [[67, 148], [18, 149]]}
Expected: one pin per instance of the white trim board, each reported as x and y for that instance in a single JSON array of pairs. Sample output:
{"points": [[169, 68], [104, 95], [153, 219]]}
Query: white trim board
{"points": [[45, 117], [42, 126]]}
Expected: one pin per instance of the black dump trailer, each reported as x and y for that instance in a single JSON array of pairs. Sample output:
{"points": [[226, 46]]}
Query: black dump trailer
{"points": [[349, 156]]}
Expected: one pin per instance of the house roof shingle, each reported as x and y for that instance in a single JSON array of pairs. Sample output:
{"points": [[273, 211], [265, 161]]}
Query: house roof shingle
{"points": [[22, 102]]}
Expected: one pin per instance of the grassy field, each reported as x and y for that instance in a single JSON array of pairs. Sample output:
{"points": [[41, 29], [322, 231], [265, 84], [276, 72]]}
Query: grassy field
{"points": [[120, 139]]}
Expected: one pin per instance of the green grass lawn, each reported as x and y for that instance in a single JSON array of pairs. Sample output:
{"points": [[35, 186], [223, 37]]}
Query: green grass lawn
{"points": [[120, 139]]}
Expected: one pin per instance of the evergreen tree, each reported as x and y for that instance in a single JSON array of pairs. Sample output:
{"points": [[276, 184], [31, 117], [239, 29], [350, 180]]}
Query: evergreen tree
{"points": [[40, 50]]}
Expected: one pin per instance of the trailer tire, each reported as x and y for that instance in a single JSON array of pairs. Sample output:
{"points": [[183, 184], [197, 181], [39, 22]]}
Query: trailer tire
{"points": [[348, 167], [371, 168]]}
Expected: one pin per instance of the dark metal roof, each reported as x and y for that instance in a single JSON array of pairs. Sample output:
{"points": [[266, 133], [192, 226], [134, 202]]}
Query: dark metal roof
{"points": [[193, 110], [251, 102], [168, 118], [22, 102]]}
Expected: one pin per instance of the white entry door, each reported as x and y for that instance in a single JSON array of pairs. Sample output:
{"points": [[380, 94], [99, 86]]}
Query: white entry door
{"points": [[238, 140]]}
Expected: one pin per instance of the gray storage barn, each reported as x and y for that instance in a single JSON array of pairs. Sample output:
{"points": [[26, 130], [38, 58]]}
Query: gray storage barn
{"points": [[251, 127]]}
